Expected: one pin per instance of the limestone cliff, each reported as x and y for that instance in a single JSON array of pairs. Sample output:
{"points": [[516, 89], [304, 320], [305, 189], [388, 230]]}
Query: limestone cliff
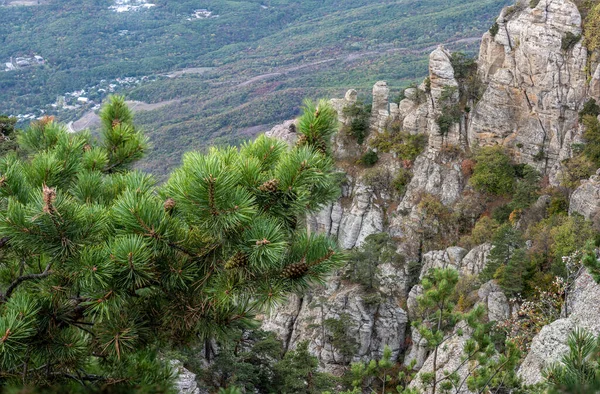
{"points": [[532, 89]]}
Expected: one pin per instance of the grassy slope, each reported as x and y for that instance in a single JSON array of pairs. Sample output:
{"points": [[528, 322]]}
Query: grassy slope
{"points": [[364, 40]]}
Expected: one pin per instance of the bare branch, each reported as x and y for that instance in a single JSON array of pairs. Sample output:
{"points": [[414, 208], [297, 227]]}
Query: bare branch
{"points": [[4, 297]]}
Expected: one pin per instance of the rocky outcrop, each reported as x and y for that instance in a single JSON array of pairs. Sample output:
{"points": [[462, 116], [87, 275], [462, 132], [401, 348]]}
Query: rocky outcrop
{"points": [[450, 359], [285, 132], [585, 200], [550, 344], [467, 264], [532, 92], [370, 322], [185, 383], [353, 218], [535, 88]]}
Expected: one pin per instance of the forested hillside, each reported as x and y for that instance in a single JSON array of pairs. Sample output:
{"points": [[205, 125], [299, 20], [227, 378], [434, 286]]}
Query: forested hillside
{"points": [[258, 59]]}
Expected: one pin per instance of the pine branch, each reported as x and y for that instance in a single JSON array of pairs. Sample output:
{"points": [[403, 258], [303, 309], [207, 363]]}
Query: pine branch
{"points": [[4, 297]]}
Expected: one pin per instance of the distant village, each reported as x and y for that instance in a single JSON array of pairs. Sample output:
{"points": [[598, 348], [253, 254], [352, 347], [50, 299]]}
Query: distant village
{"points": [[17, 63], [130, 5], [84, 99], [202, 14]]}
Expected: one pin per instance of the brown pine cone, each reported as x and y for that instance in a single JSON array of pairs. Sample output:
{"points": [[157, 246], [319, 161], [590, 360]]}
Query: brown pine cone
{"points": [[269, 186], [169, 204], [295, 271], [302, 140]]}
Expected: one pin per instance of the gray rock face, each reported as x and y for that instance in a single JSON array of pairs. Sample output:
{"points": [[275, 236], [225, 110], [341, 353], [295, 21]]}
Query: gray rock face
{"points": [[285, 132], [352, 222], [466, 263], [549, 345], [449, 358], [585, 200], [373, 325], [495, 301], [380, 111], [186, 380], [534, 88]]}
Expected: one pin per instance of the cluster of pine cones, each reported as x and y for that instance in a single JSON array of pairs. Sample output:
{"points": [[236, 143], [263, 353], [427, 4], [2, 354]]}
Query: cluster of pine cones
{"points": [[319, 143]]}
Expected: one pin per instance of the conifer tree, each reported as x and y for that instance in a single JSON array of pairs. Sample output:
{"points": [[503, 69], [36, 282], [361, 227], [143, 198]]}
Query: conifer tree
{"points": [[101, 268]]}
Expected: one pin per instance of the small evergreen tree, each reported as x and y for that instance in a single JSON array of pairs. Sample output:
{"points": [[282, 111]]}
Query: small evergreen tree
{"points": [[437, 318], [505, 243], [493, 172], [101, 269], [579, 370]]}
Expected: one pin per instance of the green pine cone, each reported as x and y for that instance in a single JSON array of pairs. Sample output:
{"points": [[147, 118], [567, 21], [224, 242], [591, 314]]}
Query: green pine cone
{"points": [[237, 260]]}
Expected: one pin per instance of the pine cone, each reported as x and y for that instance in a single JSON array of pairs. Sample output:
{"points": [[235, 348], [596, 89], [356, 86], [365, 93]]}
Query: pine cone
{"points": [[295, 271], [49, 195], [237, 260], [169, 205], [269, 186], [302, 140], [321, 146], [87, 148]]}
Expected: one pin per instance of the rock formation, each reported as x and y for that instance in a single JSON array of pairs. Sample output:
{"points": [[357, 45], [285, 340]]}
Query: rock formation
{"points": [[532, 90], [582, 310]]}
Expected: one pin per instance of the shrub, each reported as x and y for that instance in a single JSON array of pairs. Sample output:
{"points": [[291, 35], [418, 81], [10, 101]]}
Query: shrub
{"points": [[467, 166], [533, 3], [591, 29], [569, 40], [589, 108], [463, 65], [494, 29], [359, 115], [493, 172], [445, 122], [502, 213], [559, 205], [369, 158], [591, 137], [339, 337], [380, 179], [574, 170], [401, 180], [484, 230], [406, 146], [363, 262]]}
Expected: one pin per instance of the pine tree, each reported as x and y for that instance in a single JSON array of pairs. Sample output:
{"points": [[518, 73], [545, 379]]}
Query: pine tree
{"points": [[437, 320], [505, 243], [579, 370], [317, 125], [102, 268]]}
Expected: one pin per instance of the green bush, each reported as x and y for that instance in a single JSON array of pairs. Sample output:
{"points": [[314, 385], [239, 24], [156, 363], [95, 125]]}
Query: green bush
{"points": [[569, 41], [369, 158], [589, 108], [591, 136], [401, 180], [533, 3], [502, 213], [494, 29], [591, 28], [406, 146], [559, 205], [494, 172], [359, 115], [363, 262]]}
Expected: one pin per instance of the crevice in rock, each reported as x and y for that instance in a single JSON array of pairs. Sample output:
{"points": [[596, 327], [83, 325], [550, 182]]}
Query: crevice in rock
{"points": [[291, 326]]}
